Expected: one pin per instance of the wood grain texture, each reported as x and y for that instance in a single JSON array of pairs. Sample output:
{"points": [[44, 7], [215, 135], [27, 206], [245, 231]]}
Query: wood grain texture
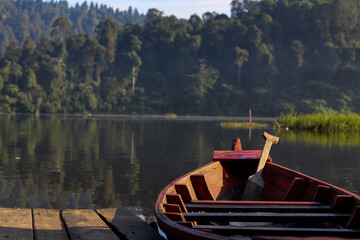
{"points": [[48, 224], [183, 190], [16, 224], [253, 208], [234, 202], [278, 231], [172, 208], [200, 186], [128, 224], [86, 224], [267, 217], [176, 199]]}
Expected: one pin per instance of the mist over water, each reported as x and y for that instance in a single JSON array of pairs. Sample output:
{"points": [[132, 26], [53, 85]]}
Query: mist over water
{"points": [[64, 162]]}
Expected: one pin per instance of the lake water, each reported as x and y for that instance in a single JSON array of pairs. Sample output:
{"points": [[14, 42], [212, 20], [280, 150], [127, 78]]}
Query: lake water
{"points": [[68, 162]]}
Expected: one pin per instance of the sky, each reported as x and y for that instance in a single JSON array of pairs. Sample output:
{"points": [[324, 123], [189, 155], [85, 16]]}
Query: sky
{"points": [[179, 8]]}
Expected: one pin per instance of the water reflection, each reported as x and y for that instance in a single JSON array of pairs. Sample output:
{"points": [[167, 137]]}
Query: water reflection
{"points": [[54, 162], [342, 139]]}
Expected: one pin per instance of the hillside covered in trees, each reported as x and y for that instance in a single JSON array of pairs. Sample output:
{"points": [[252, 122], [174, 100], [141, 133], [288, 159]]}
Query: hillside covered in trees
{"points": [[271, 55], [22, 18]]}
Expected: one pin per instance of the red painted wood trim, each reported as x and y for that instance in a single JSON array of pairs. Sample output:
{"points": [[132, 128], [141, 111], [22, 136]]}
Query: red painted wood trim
{"points": [[172, 208], [257, 208], [176, 199], [268, 217], [296, 190], [354, 221], [236, 145], [175, 217], [186, 224], [184, 192], [254, 202], [247, 155], [311, 182], [342, 203], [323, 194], [200, 187]]}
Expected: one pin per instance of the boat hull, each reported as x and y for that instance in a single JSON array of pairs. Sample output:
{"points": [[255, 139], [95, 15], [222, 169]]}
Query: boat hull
{"points": [[207, 202]]}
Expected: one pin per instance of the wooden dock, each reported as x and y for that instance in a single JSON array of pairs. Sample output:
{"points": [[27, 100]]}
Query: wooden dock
{"points": [[110, 223]]}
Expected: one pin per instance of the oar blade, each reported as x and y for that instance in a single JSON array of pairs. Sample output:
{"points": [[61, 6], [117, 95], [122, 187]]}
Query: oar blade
{"points": [[255, 182], [253, 187]]}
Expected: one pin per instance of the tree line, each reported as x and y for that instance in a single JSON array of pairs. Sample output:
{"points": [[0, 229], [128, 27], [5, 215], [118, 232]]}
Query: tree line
{"points": [[22, 18], [271, 56]]}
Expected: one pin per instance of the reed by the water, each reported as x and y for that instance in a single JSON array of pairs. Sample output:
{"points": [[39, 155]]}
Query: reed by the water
{"points": [[242, 124], [321, 122]]}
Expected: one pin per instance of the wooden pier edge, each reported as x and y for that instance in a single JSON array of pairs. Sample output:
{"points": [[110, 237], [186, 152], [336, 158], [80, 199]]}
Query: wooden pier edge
{"points": [[39, 224]]}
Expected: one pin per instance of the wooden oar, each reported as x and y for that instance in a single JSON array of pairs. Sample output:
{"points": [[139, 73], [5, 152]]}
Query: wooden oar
{"points": [[255, 183]]}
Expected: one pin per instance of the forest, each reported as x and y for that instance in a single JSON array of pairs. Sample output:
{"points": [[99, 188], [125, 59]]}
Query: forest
{"points": [[273, 56], [22, 18]]}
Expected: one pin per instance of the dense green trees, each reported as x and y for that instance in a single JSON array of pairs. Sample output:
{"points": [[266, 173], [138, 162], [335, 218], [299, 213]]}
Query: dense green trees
{"points": [[271, 56], [22, 18]]}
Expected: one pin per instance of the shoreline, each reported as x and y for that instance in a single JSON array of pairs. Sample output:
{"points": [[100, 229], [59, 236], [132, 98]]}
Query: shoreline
{"points": [[148, 117]]}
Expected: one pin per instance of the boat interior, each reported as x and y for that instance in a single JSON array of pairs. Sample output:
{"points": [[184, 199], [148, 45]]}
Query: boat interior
{"points": [[209, 200]]}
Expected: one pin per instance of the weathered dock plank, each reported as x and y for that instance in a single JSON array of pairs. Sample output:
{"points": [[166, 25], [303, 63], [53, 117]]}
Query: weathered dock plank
{"points": [[16, 224], [128, 224], [86, 224], [48, 225]]}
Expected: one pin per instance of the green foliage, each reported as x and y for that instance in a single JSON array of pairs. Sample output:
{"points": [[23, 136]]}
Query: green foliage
{"points": [[242, 125], [106, 33], [202, 80], [321, 122], [20, 19], [60, 28], [271, 56]]}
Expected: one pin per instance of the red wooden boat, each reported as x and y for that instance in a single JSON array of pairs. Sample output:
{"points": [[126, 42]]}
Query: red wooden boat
{"points": [[207, 203]]}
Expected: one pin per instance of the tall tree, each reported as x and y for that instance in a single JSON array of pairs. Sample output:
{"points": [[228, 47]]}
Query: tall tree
{"points": [[242, 56], [107, 33], [60, 28], [200, 82]]}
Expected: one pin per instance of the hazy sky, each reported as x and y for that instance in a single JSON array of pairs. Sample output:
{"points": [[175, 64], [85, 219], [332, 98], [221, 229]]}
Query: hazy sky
{"points": [[179, 8]]}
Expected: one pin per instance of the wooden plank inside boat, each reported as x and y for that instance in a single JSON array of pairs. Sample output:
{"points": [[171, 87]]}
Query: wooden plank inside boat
{"points": [[86, 224], [234, 202], [201, 187], [257, 208], [183, 190], [48, 224], [268, 217], [16, 224], [295, 190], [280, 231], [130, 226]]}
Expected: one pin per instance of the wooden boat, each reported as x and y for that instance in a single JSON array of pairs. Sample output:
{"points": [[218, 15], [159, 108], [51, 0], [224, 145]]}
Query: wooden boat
{"points": [[207, 203]]}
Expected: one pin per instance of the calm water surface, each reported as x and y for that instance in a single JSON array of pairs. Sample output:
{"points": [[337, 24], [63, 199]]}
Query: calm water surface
{"points": [[54, 162]]}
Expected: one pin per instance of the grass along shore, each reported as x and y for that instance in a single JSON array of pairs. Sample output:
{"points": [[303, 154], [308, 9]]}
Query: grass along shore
{"points": [[249, 124], [242, 124], [321, 122]]}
